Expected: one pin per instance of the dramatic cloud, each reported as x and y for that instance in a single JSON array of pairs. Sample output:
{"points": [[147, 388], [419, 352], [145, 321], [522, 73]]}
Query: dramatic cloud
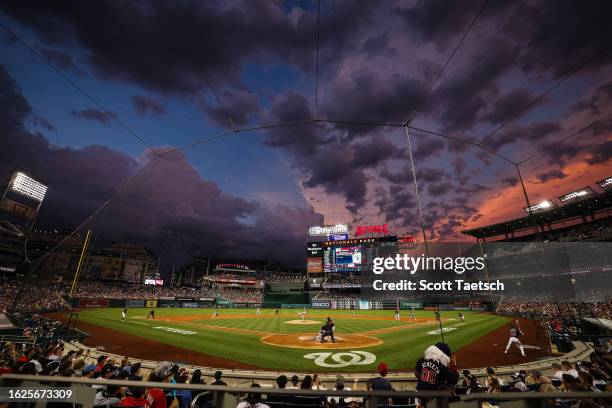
{"points": [[551, 175], [146, 105], [169, 197], [96, 115]]}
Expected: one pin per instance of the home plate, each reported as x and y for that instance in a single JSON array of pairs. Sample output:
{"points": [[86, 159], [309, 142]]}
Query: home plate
{"points": [[302, 322]]}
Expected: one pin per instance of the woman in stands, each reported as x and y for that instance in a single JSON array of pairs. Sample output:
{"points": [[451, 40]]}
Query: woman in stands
{"points": [[493, 383]]}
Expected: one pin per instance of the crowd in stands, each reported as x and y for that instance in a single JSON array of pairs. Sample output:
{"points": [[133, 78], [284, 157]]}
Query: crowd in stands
{"points": [[30, 297], [551, 309], [51, 358]]}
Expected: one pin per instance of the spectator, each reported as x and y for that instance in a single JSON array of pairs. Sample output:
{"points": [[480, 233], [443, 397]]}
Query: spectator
{"points": [[558, 370], [252, 400], [108, 396], [306, 383], [470, 382], [155, 396], [281, 382], [135, 372], [295, 381], [380, 383], [137, 399], [218, 381], [196, 377], [339, 386], [493, 383], [587, 380], [568, 369], [183, 395], [317, 383]]}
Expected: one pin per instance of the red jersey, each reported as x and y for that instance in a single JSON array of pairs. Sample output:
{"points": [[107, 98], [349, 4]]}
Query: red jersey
{"points": [[156, 398], [134, 402]]}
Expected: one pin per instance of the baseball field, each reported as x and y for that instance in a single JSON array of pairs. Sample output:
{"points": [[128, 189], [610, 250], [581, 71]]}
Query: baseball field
{"points": [[239, 338]]}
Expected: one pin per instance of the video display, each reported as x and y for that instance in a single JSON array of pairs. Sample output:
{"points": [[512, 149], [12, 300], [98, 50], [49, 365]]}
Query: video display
{"points": [[344, 258]]}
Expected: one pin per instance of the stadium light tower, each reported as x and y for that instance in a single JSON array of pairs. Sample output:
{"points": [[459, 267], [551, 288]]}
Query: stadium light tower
{"points": [[23, 197]]}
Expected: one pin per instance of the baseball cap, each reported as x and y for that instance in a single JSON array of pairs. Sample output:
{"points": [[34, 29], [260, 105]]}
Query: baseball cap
{"points": [[163, 369], [89, 368], [383, 369], [444, 348]]}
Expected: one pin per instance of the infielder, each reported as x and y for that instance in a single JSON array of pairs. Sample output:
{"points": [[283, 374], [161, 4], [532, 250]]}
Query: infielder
{"points": [[257, 311], [462, 317], [151, 314], [124, 314], [515, 332], [215, 314], [397, 315]]}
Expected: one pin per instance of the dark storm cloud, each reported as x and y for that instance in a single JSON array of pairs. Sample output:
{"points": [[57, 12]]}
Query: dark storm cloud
{"points": [[366, 96], [532, 133], [240, 105], [168, 200], [552, 46], [509, 181], [601, 153], [61, 60], [396, 203], [553, 174], [374, 152], [427, 147], [439, 189], [430, 175], [146, 105], [96, 115], [403, 176], [438, 21], [508, 106], [461, 98]]}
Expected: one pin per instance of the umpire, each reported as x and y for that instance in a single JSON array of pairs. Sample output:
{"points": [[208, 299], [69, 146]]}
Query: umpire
{"points": [[328, 330]]}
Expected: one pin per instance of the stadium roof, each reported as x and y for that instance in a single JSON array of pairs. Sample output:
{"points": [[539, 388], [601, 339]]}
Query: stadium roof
{"points": [[587, 206]]}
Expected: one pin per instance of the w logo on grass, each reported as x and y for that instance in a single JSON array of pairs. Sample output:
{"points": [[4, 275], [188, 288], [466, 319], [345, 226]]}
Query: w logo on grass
{"points": [[342, 359]]}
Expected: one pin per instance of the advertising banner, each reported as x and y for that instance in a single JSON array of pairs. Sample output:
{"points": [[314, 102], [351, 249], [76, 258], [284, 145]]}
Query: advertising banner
{"points": [[314, 265], [93, 302], [135, 303], [321, 304]]}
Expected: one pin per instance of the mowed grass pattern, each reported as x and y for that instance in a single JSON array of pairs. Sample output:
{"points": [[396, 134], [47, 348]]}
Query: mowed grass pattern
{"points": [[237, 334]]}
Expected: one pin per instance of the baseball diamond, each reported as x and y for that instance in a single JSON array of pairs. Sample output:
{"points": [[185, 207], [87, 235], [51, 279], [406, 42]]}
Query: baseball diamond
{"points": [[239, 338]]}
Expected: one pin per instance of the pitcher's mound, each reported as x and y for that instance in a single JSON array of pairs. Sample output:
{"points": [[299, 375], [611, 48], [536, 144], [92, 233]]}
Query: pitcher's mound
{"points": [[305, 341], [302, 322]]}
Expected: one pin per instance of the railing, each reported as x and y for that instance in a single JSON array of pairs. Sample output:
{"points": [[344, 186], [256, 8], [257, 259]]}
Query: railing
{"points": [[227, 397], [222, 396]]}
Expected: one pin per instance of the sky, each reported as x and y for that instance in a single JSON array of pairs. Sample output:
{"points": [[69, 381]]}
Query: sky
{"points": [[98, 95]]}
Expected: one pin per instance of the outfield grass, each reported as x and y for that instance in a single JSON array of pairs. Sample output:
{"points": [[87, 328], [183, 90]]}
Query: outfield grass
{"points": [[400, 349]]}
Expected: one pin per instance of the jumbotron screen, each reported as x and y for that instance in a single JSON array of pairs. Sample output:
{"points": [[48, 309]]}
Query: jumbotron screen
{"points": [[344, 258]]}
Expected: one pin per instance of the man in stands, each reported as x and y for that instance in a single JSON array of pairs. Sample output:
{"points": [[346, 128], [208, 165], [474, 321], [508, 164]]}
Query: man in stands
{"points": [[137, 399], [380, 383], [436, 369]]}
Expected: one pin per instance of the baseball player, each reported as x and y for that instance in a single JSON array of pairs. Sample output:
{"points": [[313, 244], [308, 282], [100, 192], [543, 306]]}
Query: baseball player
{"points": [[462, 317], [413, 316], [515, 332], [276, 312], [257, 311], [328, 330], [123, 314], [397, 315], [215, 314], [302, 314], [151, 314]]}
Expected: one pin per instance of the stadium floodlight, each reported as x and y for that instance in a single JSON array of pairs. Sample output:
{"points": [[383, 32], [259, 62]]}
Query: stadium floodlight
{"points": [[544, 205], [605, 183], [576, 195], [27, 186]]}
